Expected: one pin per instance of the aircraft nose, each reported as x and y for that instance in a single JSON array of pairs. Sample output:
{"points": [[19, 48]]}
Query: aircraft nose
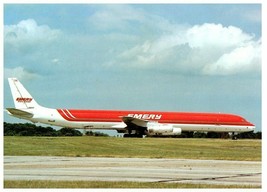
{"points": [[252, 128]]}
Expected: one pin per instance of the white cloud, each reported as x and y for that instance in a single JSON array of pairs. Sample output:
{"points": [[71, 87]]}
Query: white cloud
{"points": [[31, 47], [28, 31], [20, 73], [243, 59], [209, 49], [215, 36], [115, 17]]}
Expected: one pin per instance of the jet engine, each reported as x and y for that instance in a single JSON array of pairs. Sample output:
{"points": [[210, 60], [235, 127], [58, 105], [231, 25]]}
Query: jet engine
{"points": [[163, 129]]}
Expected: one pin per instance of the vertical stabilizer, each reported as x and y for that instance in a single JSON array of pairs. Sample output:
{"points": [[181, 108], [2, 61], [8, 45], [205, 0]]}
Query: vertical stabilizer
{"points": [[22, 98]]}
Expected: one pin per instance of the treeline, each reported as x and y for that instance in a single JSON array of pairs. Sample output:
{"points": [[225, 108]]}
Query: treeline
{"points": [[96, 134], [29, 129], [245, 135]]}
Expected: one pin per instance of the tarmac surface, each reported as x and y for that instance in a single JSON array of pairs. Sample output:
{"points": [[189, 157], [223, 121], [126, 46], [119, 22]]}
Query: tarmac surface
{"points": [[133, 169]]}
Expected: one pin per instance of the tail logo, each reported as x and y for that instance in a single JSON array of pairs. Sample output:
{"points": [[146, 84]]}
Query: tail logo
{"points": [[23, 100]]}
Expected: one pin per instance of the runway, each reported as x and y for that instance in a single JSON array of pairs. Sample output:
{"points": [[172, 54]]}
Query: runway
{"points": [[133, 169]]}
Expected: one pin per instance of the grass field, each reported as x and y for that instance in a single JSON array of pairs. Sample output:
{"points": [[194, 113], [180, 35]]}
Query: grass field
{"points": [[245, 150], [109, 184]]}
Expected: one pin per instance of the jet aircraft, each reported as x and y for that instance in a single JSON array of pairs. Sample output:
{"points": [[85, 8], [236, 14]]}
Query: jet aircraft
{"points": [[131, 123]]}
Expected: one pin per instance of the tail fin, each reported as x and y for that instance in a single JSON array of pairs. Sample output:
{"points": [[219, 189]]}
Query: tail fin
{"points": [[22, 98]]}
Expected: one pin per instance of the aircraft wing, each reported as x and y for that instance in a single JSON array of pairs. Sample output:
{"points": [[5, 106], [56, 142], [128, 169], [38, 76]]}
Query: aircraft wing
{"points": [[19, 113], [131, 120]]}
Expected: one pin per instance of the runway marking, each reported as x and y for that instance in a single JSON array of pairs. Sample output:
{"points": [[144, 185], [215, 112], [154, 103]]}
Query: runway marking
{"points": [[210, 178]]}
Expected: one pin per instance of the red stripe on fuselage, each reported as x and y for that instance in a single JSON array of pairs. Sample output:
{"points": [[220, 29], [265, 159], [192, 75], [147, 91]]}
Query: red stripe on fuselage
{"points": [[68, 114], [161, 117], [65, 114]]}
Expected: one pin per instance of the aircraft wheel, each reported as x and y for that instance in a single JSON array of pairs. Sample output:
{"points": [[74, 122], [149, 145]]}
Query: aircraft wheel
{"points": [[234, 137]]}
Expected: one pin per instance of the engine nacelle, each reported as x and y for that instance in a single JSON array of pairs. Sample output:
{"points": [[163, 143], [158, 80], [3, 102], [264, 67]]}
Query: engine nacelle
{"points": [[177, 131], [163, 129]]}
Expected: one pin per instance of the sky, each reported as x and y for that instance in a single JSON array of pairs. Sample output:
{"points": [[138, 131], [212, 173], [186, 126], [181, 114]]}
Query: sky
{"points": [[169, 57]]}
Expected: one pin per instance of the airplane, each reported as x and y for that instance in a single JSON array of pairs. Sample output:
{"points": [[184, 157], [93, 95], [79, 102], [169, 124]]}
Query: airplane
{"points": [[131, 123]]}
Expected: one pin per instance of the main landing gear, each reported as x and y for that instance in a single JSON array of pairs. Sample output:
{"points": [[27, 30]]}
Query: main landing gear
{"points": [[134, 132], [233, 135]]}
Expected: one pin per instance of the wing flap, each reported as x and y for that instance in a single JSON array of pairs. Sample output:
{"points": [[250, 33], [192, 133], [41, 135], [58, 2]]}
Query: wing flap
{"points": [[131, 120]]}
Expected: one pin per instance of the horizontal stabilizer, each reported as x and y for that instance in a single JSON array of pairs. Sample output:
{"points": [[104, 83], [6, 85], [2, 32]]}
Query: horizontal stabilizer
{"points": [[19, 113]]}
